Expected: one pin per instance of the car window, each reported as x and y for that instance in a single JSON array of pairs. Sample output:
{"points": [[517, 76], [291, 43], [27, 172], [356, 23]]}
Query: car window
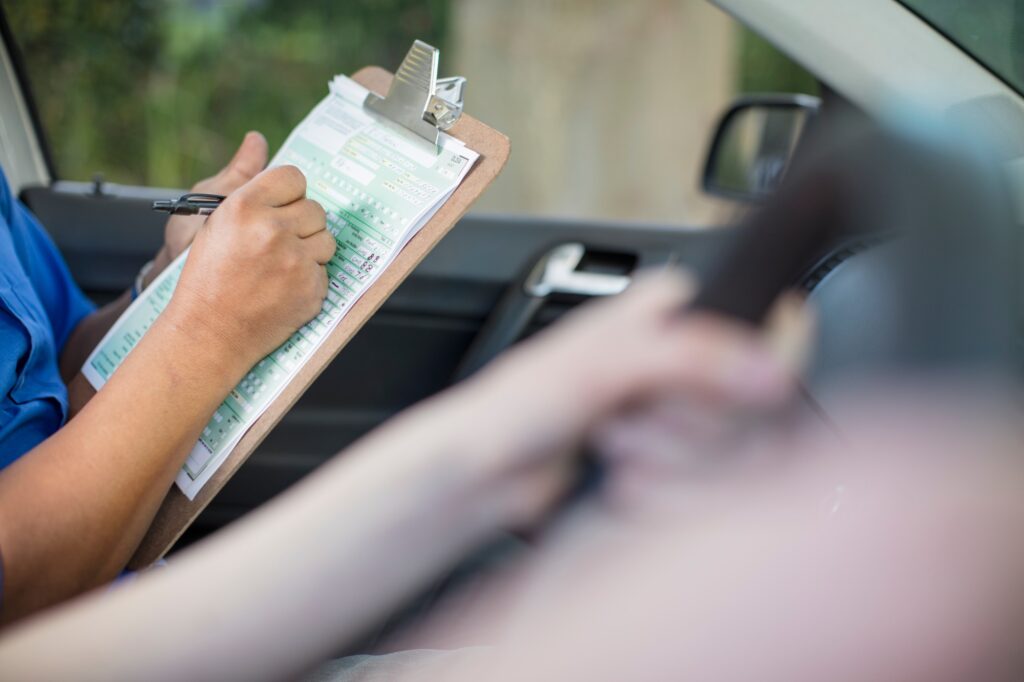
{"points": [[609, 105], [991, 31]]}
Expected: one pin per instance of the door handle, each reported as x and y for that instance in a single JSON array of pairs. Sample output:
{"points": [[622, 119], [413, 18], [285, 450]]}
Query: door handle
{"points": [[556, 273]]}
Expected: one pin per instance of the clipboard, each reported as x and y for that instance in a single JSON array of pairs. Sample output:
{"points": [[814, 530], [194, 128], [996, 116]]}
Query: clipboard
{"points": [[177, 512]]}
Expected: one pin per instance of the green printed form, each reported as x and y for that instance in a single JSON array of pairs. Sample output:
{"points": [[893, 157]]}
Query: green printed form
{"points": [[379, 185]]}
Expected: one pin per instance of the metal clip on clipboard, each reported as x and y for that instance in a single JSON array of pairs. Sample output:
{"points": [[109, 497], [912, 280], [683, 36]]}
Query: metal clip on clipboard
{"points": [[417, 100]]}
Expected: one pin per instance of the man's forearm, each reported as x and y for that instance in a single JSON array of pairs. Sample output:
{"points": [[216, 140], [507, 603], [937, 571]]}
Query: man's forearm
{"points": [[73, 510]]}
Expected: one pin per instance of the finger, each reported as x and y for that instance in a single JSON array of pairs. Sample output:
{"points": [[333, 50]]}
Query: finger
{"points": [[663, 290], [716, 360], [320, 246], [303, 218], [181, 230], [669, 434], [789, 331], [277, 186], [655, 293], [653, 296], [322, 283], [248, 161], [635, 440]]}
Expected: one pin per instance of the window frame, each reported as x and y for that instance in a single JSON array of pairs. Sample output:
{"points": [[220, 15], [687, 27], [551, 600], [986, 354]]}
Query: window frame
{"points": [[21, 107], [1017, 88]]}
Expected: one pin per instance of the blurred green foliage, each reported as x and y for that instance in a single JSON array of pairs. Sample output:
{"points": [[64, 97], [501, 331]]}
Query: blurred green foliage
{"points": [[762, 68], [160, 92]]}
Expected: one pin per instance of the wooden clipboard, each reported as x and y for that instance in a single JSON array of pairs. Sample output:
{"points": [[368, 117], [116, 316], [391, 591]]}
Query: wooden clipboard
{"points": [[177, 512]]}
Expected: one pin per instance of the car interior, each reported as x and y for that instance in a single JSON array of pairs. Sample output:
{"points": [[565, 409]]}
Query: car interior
{"points": [[448, 319], [492, 282]]}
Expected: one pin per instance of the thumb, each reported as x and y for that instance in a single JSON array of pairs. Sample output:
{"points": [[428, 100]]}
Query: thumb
{"points": [[248, 161]]}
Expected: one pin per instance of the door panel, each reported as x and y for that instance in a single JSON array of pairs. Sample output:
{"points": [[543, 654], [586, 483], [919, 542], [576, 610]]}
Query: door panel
{"points": [[106, 235]]}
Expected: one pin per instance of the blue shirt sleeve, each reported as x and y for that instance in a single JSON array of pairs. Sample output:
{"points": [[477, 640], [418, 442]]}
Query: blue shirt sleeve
{"points": [[63, 301]]}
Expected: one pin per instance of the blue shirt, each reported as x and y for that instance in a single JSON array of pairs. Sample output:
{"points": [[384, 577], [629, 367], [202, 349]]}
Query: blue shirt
{"points": [[40, 306]]}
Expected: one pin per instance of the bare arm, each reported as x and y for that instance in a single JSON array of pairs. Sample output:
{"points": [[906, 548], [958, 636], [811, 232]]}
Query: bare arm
{"points": [[73, 509], [286, 587], [888, 557], [332, 554], [78, 504]]}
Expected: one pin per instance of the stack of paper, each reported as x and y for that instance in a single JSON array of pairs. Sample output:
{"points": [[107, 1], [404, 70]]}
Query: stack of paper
{"points": [[379, 185]]}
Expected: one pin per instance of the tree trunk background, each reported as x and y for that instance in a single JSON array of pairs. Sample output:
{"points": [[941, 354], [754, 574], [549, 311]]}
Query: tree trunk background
{"points": [[610, 104]]}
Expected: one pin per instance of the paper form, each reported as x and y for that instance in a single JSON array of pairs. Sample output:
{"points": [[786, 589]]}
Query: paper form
{"points": [[378, 184]]}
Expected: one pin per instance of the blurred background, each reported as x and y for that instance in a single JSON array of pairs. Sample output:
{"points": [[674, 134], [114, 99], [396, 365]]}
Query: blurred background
{"points": [[160, 92]]}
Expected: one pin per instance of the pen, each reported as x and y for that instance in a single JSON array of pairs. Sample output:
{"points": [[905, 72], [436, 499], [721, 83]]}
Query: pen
{"points": [[195, 203]]}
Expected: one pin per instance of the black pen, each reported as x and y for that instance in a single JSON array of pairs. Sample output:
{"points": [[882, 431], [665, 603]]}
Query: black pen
{"points": [[195, 203]]}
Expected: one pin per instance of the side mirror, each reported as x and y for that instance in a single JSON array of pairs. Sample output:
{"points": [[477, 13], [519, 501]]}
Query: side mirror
{"points": [[755, 143]]}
